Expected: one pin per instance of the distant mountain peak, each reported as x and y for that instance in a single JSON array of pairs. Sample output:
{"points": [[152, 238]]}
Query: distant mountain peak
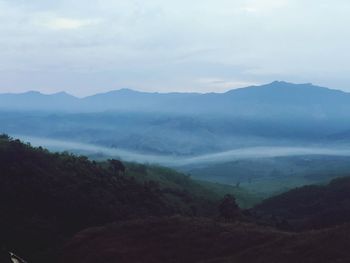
{"points": [[279, 82], [118, 91], [32, 92], [125, 90], [62, 94], [287, 84]]}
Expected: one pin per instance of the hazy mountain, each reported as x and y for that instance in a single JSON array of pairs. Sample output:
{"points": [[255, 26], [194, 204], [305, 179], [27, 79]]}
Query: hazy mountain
{"points": [[278, 113], [130, 100], [271, 100], [34, 100]]}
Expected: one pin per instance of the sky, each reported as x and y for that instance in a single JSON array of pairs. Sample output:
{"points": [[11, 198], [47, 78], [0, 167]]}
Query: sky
{"points": [[85, 47]]}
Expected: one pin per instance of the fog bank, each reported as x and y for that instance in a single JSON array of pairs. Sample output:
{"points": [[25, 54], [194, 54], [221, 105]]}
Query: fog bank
{"points": [[168, 160]]}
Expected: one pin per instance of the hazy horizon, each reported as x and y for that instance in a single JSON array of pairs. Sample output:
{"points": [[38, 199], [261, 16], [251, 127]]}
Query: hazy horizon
{"points": [[162, 92]]}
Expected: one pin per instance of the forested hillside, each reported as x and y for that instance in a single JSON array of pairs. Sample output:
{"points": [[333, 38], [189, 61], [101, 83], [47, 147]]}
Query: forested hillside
{"points": [[176, 239], [309, 207], [309, 224], [57, 207], [45, 197]]}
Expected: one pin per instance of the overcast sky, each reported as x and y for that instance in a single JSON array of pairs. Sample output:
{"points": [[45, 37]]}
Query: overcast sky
{"points": [[89, 46]]}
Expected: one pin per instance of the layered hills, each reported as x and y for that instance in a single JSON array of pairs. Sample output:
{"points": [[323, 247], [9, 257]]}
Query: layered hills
{"points": [[58, 207], [45, 198], [185, 124], [271, 100]]}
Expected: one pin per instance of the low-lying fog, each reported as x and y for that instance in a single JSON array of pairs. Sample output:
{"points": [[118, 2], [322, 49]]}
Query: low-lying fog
{"points": [[235, 154]]}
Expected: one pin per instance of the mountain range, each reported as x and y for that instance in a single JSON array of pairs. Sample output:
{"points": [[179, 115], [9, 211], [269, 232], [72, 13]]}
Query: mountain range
{"points": [[271, 100], [275, 114]]}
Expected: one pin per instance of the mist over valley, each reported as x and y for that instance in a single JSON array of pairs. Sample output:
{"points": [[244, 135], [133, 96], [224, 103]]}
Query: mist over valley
{"points": [[252, 137], [174, 131]]}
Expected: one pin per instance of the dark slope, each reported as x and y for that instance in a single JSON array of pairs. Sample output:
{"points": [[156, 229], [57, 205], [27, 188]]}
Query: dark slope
{"points": [[272, 176], [309, 207], [200, 240], [203, 194], [46, 198]]}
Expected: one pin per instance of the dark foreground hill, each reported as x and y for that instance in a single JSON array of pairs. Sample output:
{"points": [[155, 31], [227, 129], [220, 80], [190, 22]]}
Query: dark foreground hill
{"points": [[309, 207], [46, 198], [175, 240], [320, 214]]}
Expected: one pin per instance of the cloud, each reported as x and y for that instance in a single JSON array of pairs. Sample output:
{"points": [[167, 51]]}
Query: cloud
{"points": [[170, 45], [219, 157], [255, 6], [63, 23]]}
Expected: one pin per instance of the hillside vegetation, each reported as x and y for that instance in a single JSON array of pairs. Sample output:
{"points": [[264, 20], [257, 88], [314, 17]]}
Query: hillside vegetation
{"points": [[45, 198], [309, 224], [57, 207], [274, 175], [170, 180], [185, 240], [309, 207]]}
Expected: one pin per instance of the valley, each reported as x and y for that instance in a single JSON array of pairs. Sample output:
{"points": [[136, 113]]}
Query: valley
{"points": [[174, 131], [261, 171], [59, 207]]}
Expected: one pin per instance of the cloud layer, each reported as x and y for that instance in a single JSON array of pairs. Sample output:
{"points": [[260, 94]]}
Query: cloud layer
{"points": [[90, 46], [220, 157]]}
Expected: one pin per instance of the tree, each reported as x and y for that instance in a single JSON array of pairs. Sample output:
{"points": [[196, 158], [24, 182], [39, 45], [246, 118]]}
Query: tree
{"points": [[116, 166], [228, 208]]}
